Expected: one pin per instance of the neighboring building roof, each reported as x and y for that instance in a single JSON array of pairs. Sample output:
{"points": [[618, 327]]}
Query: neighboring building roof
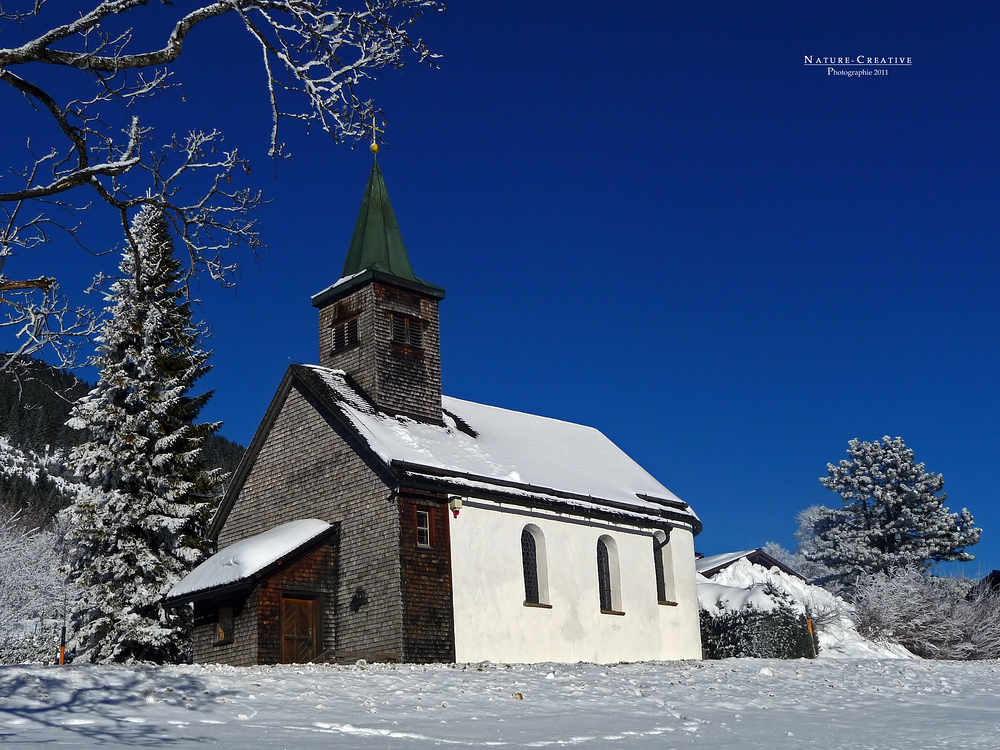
{"points": [[239, 563], [485, 452], [709, 566], [713, 564], [989, 582], [376, 249]]}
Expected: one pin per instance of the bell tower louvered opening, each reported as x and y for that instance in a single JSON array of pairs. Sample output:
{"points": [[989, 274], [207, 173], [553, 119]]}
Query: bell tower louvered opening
{"points": [[379, 322]]}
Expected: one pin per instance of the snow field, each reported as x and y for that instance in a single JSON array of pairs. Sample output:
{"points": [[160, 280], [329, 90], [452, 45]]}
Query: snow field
{"points": [[744, 703]]}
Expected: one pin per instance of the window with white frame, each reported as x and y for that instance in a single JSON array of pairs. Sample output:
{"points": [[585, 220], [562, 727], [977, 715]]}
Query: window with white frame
{"points": [[423, 528]]}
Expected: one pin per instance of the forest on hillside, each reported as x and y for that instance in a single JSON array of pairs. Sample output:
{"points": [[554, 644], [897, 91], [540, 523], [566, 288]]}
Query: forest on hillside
{"points": [[34, 408]]}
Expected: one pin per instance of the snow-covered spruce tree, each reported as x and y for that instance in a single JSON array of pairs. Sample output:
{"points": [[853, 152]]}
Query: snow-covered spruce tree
{"points": [[798, 560], [141, 529], [893, 518]]}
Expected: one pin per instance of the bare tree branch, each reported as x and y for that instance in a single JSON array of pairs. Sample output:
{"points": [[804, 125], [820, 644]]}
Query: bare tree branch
{"points": [[42, 282], [313, 57]]}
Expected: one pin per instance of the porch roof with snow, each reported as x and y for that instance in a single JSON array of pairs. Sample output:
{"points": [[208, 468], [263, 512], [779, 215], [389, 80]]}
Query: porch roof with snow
{"points": [[490, 453], [240, 565]]}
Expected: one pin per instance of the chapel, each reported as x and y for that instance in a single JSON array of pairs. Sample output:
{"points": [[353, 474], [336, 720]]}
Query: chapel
{"points": [[374, 518]]}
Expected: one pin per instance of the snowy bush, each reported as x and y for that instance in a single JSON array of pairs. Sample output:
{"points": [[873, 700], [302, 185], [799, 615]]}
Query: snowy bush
{"points": [[32, 592], [744, 585], [758, 618], [780, 633], [31, 641], [936, 618]]}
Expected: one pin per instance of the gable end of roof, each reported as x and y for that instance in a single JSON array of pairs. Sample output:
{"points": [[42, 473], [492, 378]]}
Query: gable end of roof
{"points": [[323, 401]]}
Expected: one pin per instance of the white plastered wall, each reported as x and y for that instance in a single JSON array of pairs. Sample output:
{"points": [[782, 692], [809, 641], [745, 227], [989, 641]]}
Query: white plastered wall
{"points": [[492, 623]]}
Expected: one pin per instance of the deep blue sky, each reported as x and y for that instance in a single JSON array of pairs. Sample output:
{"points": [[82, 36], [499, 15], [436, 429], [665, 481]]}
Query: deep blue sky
{"points": [[654, 219]]}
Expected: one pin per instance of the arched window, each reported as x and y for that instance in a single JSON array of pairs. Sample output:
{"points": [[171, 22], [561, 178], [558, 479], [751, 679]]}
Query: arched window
{"points": [[608, 576], [663, 567], [533, 563], [529, 561]]}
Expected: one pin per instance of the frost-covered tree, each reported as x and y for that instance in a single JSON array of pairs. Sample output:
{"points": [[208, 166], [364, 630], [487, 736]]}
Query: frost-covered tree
{"points": [[893, 517], [936, 618], [141, 528], [33, 592], [805, 535]]}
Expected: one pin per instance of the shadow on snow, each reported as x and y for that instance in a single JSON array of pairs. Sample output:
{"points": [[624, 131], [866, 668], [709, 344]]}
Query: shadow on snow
{"points": [[109, 704]]}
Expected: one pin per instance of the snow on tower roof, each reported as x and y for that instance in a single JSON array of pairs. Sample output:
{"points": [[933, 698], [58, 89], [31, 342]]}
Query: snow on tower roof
{"points": [[240, 561], [484, 447]]}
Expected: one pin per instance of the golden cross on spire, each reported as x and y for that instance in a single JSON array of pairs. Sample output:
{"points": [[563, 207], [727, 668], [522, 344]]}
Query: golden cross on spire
{"points": [[375, 131]]}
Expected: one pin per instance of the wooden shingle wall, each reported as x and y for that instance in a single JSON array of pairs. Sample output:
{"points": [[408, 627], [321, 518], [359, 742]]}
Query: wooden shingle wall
{"points": [[312, 576], [428, 616], [398, 378], [306, 469], [357, 360], [242, 652]]}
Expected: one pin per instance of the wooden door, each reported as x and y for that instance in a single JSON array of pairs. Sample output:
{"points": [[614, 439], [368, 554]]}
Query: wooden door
{"points": [[298, 630]]}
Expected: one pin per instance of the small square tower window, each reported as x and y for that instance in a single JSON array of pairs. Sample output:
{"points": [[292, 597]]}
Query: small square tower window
{"points": [[344, 335], [423, 528], [408, 331]]}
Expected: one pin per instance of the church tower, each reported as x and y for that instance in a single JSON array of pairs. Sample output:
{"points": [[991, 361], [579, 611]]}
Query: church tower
{"points": [[379, 322]]}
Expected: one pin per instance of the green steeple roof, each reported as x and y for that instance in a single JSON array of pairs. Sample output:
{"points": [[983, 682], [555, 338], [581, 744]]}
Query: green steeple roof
{"points": [[376, 251], [377, 243]]}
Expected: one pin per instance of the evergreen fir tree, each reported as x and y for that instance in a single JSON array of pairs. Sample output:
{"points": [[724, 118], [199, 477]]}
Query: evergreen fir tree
{"points": [[141, 527], [894, 516]]}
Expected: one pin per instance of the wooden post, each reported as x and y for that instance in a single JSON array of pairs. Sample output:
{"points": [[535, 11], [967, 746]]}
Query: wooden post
{"points": [[812, 638]]}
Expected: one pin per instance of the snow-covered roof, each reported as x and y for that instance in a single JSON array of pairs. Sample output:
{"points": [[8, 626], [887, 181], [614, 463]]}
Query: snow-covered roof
{"points": [[239, 561], [703, 564], [339, 282], [711, 565], [484, 446], [717, 598]]}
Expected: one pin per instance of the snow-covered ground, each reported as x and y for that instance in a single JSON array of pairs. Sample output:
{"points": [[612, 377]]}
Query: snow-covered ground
{"points": [[739, 703]]}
